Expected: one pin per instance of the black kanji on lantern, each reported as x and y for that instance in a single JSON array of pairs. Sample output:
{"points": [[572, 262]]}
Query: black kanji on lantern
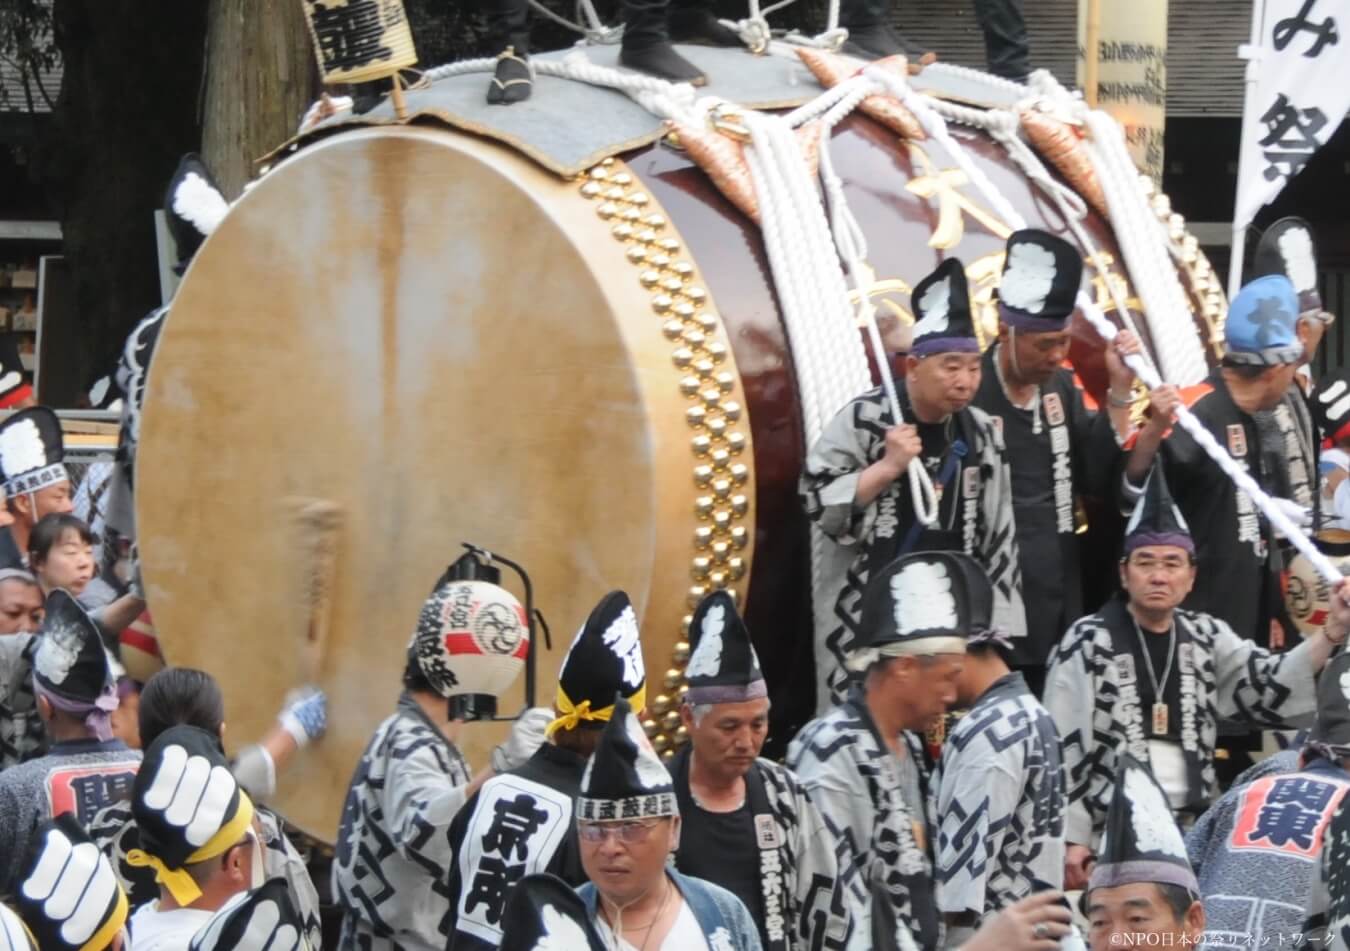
{"points": [[1291, 137], [491, 883], [1292, 812], [515, 820], [1289, 28], [349, 35]]}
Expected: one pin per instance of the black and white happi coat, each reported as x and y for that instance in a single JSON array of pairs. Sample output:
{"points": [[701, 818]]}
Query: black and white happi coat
{"points": [[1000, 803], [806, 902], [22, 736], [975, 515], [854, 781], [1092, 692], [391, 870]]}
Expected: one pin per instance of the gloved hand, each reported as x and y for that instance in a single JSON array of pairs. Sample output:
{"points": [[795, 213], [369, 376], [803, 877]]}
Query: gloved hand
{"points": [[305, 715], [527, 735]]}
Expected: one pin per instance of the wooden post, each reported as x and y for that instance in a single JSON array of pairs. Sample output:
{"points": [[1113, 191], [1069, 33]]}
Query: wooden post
{"points": [[1091, 42]]}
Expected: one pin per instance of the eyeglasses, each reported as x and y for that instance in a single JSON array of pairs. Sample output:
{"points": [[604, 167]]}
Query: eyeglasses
{"points": [[626, 832], [1171, 565]]}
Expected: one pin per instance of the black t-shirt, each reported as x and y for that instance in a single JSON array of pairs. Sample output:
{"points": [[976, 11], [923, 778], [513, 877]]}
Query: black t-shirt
{"points": [[721, 848], [1158, 643]]}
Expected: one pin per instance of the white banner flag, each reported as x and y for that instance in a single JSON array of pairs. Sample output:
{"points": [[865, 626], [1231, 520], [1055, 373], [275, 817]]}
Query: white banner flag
{"points": [[1302, 93]]}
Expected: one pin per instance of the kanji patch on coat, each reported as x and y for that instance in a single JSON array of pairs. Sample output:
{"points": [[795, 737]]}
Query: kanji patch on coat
{"points": [[1286, 815], [1054, 409], [84, 790], [1237, 440]]}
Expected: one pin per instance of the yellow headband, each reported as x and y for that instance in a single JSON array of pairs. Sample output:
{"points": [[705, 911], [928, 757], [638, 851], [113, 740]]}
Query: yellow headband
{"points": [[103, 937], [574, 714], [179, 883]]}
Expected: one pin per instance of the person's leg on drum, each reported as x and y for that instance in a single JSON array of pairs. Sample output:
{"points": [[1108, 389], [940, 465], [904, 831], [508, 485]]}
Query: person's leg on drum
{"points": [[1007, 49], [646, 44], [508, 39], [695, 21]]}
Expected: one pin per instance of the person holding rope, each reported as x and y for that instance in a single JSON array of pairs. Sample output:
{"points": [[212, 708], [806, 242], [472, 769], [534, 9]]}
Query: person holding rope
{"points": [[1148, 678], [854, 486]]}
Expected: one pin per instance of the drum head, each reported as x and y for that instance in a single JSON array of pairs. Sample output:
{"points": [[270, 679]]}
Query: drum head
{"points": [[421, 338]]}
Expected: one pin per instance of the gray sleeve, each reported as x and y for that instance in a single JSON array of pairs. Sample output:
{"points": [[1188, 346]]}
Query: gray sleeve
{"points": [[1265, 689], [829, 480]]}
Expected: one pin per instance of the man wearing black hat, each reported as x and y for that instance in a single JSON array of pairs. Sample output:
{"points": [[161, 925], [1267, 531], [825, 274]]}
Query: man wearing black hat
{"points": [[628, 821], [862, 764], [394, 855], [32, 465], [68, 896], [855, 489], [1257, 851], [521, 822], [1146, 677], [1058, 447], [1001, 798], [85, 768], [197, 833], [747, 825], [1142, 892]]}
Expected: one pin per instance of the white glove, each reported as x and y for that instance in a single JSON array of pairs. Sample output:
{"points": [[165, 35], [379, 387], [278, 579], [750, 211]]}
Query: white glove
{"points": [[527, 735], [1296, 513], [305, 715]]}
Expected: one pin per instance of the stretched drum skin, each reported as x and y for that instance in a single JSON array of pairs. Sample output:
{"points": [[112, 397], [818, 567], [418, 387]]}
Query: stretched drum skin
{"points": [[445, 342]]}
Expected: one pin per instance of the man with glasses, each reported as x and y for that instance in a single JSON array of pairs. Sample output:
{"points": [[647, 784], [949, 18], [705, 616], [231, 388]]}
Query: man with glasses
{"points": [[628, 823], [855, 489], [1146, 677]]}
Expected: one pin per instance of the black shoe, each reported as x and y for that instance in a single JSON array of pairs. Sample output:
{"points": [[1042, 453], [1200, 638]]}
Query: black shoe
{"points": [[512, 81], [878, 42], [701, 27], [662, 62]]}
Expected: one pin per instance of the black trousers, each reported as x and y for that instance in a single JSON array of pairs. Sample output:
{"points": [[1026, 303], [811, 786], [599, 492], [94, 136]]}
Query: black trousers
{"points": [[1005, 31]]}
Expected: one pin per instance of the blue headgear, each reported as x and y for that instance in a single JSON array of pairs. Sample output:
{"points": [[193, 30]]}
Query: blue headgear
{"points": [[1260, 326]]}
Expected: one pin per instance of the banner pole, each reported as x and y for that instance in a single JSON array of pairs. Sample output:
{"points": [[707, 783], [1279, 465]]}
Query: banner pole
{"points": [[1091, 51], [1252, 54]]}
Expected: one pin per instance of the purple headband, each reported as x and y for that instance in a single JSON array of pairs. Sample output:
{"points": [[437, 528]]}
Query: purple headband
{"points": [[1149, 539], [97, 715], [1030, 323], [932, 345], [1115, 874], [727, 693]]}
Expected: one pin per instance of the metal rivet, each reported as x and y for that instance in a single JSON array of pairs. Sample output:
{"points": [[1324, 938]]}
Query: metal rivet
{"points": [[623, 178], [701, 444], [622, 231], [685, 623], [661, 703], [704, 368], [721, 488], [721, 551], [671, 720], [696, 594], [673, 329], [670, 245], [695, 415], [700, 567], [647, 236], [682, 357], [615, 194], [736, 442], [710, 396], [736, 567], [639, 198], [649, 727], [696, 294], [739, 473], [591, 189], [636, 254], [661, 303], [717, 426], [703, 506], [671, 284], [720, 458], [707, 321], [681, 653], [655, 222], [694, 338], [740, 504], [702, 475], [599, 174], [607, 210], [631, 214], [740, 536], [660, 260], [703, 536], [661, 743], [688, 385], [648, 278], [727, 381], [717, 351], [682, 268], [732, 410], [686, 311], [721, 519]]}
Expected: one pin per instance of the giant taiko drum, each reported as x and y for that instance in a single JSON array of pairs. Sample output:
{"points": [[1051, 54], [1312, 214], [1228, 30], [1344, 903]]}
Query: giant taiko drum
{"points": [[434, 337]]}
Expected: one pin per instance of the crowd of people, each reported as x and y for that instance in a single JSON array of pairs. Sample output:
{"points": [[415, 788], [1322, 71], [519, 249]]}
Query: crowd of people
{"points": [[1091, 755]]}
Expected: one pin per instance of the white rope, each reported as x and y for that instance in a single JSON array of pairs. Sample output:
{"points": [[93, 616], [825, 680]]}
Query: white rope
{"points": [[596, 32]]}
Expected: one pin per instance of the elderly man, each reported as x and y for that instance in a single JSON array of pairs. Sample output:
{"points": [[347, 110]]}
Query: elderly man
{"points": [[862, 764], [22, 735], [85, 768], [521, 822], [628, 822], [1146, 677], [20, 602], [1058, 446], [392, 867], [855, 488], [1142, 892], [747, 824], [1000, 793], [32, 465], [1257, 851]]}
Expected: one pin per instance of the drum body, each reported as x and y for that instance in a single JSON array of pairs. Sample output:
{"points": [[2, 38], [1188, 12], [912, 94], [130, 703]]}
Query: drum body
{"points": [[442, 342]]}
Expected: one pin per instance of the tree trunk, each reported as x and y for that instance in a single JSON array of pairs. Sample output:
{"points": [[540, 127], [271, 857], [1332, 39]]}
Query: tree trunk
{"points": [[260, 78], [126, 112]]}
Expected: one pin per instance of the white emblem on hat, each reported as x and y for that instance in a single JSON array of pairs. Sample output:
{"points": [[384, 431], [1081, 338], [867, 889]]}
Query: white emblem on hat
{"points": [[199, 204], [74, 885], [1151, 816], [1297, 250], [1338, 409], [1333, 390], [192, 793], [1029, 276], [651, 773], [58, 651], [707, 659], [922, 595], [561, 933], [935, 305], [622, 638], [21, 448]]}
